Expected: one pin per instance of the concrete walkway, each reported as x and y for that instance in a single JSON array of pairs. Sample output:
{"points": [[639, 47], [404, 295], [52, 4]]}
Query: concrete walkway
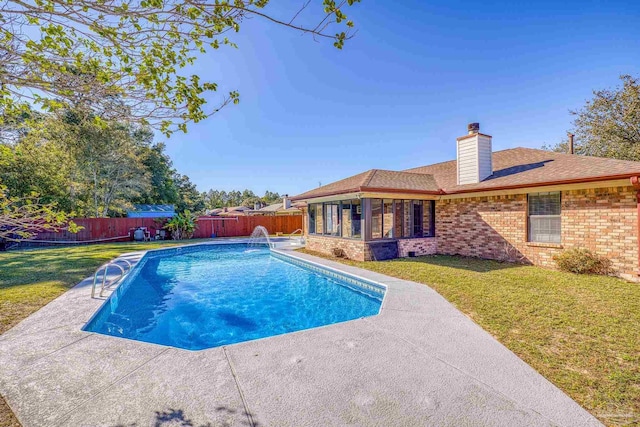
{"points": [[419, 363]]}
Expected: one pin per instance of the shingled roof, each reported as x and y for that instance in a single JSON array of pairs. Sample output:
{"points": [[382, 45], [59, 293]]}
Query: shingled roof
{"points": [[525, 167], [376, 180], [278, 207], [513, 168]]}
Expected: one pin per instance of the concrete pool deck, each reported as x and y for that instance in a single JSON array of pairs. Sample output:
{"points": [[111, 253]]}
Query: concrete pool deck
{"points": [[420, 362]]}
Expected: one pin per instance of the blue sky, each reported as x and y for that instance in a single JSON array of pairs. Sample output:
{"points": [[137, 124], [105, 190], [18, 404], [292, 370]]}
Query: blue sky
{"points": [[403, 89]]}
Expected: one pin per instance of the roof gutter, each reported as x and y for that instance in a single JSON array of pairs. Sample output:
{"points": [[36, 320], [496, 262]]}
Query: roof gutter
{"points": [[399, 190], [328, 193], [370, 189], [544, 183]]}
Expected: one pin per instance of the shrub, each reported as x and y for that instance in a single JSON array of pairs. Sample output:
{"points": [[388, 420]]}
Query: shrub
{"points": [[582, 261], [182, 225]]}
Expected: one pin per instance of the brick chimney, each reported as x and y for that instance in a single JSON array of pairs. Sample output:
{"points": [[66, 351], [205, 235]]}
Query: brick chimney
{"points": [[474, 156]]}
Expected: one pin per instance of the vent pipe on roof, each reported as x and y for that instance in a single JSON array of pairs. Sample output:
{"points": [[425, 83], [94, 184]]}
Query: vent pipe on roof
{"points": [[474, 159], [571, 151]]}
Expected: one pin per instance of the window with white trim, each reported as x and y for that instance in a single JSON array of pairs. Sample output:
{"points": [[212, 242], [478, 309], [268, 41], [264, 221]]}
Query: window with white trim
{"points": [[544, 217]]}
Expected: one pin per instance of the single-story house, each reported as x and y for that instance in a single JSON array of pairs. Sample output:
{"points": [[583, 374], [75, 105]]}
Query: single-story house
{"points": [[229, 211], [152, 211], [520, 205], [283, 208]]}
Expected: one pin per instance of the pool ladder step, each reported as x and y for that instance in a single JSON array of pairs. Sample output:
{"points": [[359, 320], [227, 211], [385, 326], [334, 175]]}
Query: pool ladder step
{"points": [[105, 269]]}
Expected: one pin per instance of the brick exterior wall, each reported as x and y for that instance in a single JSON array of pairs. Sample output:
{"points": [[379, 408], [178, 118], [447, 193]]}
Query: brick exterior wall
{"points": [[353, 249], [603, 220], [424, 246]]}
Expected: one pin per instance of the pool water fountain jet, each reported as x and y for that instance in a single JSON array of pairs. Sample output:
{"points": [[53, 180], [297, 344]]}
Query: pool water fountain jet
{"points": [[259, 233]]}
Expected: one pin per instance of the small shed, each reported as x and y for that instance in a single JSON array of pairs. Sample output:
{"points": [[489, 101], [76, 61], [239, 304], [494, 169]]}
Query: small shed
{"points": [[152, 211]]}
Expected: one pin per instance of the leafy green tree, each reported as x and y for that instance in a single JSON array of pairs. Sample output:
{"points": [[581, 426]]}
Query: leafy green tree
{"points": [[84, 165], [163, 188], [247, 194], [23, 217], [31, 165], [189, 198], [220, 198], [13, 127], [108, 172], [271, 197], [6, 158], [129, 59], [609, 124], [93, 167], [90, 166], [249, 199], [234, 198], [214, 199]]}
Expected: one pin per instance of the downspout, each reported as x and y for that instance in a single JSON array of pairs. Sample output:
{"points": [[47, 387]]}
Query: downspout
{"points": [[635, 182]]}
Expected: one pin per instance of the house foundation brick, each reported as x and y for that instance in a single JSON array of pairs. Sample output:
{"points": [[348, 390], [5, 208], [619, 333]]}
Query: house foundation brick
{"points": [[423, 246], [358, 250], [352, 249]]}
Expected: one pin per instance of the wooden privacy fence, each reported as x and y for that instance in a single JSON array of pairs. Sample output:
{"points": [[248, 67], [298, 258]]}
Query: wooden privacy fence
{"points": [[121, 228], [229, 227]]}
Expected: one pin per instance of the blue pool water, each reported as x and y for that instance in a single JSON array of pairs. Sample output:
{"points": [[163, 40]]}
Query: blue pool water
{"points": [[210, 295]]}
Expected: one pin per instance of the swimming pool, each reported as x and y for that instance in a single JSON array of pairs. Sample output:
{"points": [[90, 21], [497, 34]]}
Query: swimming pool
{"points": [[205, 296]]}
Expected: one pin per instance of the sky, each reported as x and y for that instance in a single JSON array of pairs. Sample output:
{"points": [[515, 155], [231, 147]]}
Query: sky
{"points": [[401, 91]]}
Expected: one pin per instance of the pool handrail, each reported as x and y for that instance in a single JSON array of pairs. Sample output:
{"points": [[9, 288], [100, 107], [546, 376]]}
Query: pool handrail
{"points": [[105, 269], [292, 234]]}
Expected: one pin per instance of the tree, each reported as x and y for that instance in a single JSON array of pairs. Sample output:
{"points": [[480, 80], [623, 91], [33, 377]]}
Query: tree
{"points": [[90, 166], [128, 58], [247, 194], [23, 217], [108, 172], [81, 162], [214, 199], [234, 198], [250, 202], [270, 197], [609, 124], [189, 198], [33, 165], [13, 127], [163, 189], [93, 167], [220, 198], [249, 199]]}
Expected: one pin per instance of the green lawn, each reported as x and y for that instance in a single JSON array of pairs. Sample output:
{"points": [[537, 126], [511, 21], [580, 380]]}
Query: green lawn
{"points": [[580, 332], [30, 279]]}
